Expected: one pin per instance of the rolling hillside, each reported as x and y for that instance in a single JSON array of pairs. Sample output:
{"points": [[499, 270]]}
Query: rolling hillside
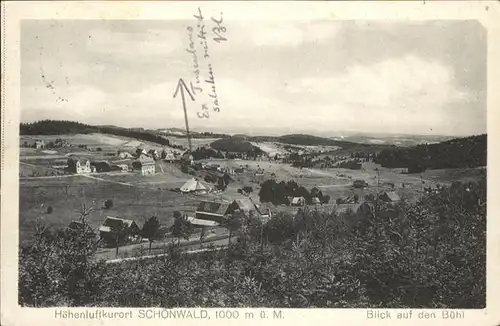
{"points": [[235, 144], [465, 152]]}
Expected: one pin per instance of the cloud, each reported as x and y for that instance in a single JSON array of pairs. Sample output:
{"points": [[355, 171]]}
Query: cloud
{"points": [[409, 81], [278, 34], [294, 75], [398, 93], [152, 42]]}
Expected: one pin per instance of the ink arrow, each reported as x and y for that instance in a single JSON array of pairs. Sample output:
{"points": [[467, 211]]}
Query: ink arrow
{"points": [[181, 86]]}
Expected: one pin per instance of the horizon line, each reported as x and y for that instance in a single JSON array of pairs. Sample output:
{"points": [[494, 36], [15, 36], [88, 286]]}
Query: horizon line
{"points": [[264, 133]]}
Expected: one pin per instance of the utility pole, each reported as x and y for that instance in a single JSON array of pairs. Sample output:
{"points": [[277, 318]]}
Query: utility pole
{"points": [[375, 213], [421, 187]]}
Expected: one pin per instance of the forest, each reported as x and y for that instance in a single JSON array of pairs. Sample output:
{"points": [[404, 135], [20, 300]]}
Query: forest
{"points": [[431, 254], [468, 152], [63, 127], [237, 145]]}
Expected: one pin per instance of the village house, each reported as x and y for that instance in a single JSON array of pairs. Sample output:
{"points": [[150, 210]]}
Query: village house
{"points": [[207, 224], [140, 151], [124, 155], [39, 144], [170, 157], [195, 186], [145, 165], [245, 205], [298, 201], [187, 158], [154, 154], [213, 211], [79, 165], [111, 224], [248, 207]]}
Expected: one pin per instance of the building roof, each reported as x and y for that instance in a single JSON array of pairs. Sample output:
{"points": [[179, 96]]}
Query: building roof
{"points": [[75, 158], [200, 222], [245, 205], [212, 208], [145, 160], [194, 185], [110, 222], [316, 200], [104, 228], [391, 195]]}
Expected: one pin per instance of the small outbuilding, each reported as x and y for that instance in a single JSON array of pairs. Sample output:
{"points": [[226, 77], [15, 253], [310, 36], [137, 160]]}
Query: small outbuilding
{"points": [[389, 197], [298, 201]]}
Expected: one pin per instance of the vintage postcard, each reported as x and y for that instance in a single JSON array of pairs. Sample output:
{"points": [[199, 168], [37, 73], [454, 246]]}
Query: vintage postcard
{"points": [[250, 162]]}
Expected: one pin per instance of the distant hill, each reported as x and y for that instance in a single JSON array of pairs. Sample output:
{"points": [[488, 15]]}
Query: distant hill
{"points": [[55, 127], [62, 127], [235, 144], [310, 140], [467, 152], [398, 140], [181, 133]]}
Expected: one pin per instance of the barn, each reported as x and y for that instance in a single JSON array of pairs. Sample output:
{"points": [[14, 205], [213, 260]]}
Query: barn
{"points": [[213, 211]]}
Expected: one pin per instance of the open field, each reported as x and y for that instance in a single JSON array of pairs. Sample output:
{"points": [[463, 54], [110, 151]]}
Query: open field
{"points": [[93, 140], [195, 142], [66, 195]]}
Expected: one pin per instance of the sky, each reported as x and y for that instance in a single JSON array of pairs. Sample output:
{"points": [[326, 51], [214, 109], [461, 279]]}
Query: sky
{"points": [[271, 77]]}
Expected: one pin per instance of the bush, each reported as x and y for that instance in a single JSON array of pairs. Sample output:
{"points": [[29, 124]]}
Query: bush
{"points": [[108, 204], [247, 189], [50, 210], [55, 269]]}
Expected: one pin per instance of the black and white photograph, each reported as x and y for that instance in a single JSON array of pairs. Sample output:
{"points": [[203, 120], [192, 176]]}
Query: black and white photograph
{"points": [[218, 162]]}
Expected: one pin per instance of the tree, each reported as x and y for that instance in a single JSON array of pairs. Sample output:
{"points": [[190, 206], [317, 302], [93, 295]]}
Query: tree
{"points": [[279, 228], [108, 204], [233, 222], [302, 192], [266, 193], [202, 235], [247, 189], [120, 234], [181, 227], [151, 230], [221, 185], [50, 210]]}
